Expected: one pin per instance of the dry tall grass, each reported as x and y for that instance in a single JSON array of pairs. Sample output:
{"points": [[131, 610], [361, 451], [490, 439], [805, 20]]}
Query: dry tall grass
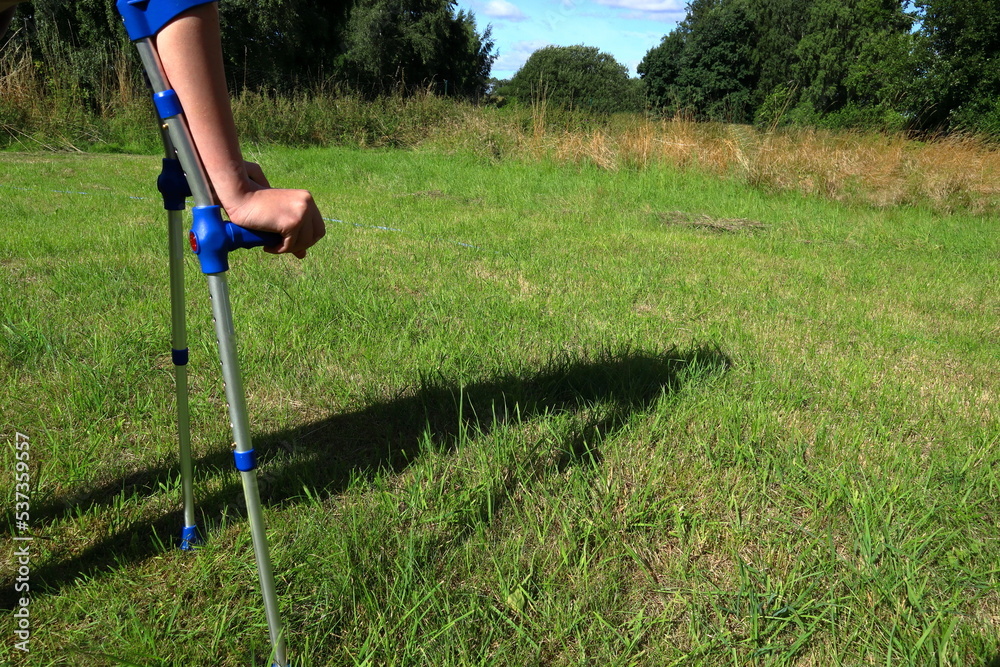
{"points": [[946, 173], [50, 109]]}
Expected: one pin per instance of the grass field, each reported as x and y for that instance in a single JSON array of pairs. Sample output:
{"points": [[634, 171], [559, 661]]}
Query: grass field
{"points": [[554, 415]]}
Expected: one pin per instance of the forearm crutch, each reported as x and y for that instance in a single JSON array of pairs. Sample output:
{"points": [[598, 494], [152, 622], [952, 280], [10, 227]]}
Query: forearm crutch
{"points": [[211, 239]]}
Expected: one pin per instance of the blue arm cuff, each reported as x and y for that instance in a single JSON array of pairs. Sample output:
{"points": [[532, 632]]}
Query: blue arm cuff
{"points": [[145, 18]]}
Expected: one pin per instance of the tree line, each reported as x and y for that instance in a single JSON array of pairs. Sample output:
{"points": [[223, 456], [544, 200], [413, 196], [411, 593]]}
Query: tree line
{"points": [[925, 65], [368, 46]]}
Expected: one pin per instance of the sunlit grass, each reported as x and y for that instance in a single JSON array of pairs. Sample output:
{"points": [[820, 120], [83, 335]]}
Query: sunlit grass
{"points": [[511, 412]]}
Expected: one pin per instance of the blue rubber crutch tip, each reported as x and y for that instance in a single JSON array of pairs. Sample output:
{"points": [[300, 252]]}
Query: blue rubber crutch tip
{"points": [[189, 538]]}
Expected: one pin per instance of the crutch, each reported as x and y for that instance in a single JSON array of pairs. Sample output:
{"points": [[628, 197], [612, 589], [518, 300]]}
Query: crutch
{"points": [[211, 239]]}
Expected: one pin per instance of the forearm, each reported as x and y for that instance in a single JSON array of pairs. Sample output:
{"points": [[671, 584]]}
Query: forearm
{"points": [[191, 54], [190, 50]]}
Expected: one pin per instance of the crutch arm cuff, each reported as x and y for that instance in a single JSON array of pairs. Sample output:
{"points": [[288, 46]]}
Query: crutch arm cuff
{"points": [[145, 18]]}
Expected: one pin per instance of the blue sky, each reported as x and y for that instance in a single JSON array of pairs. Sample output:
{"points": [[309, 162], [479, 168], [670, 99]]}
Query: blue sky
{"points": [[626, 29]]}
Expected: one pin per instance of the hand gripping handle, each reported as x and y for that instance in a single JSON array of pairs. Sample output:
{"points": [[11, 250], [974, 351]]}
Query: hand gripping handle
{"points": [[212, 238]]}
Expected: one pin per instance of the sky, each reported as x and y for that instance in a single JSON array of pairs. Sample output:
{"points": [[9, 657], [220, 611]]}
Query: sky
{"points": [[626, 29]]}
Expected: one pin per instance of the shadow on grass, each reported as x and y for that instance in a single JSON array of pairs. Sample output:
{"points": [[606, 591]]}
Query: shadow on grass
{"points": [[387, 436]]}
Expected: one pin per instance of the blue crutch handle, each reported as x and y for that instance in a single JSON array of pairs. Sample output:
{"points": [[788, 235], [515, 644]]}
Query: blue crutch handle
{"points": [[212, 238], [248, 238]]}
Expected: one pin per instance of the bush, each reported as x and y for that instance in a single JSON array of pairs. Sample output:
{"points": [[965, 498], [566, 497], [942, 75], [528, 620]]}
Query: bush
{"points": [[877, 118], [982, 118], [574, 77]]}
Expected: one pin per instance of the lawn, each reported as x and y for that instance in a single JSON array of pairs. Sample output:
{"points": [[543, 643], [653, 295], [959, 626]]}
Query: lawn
{"points": [[510, 412]]}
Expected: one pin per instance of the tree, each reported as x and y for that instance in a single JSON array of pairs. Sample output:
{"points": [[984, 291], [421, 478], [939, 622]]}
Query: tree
{"points": [[779, 26], [959, 61], [837, 61], [79, 40], [577, 77], [718, 73], [881, 82], [281, 44], [838, 33], [706, 65], [660, 68], [416, 43]]}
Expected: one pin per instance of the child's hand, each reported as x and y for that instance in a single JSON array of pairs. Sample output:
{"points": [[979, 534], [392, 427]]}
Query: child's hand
{"points": [[256, 174], [291, 213]]}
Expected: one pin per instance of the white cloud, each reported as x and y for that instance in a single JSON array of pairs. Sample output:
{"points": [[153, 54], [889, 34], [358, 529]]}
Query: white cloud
{"points": [[511, 61], [642, 36], [649, 10], [646, 5], [503, 10]]}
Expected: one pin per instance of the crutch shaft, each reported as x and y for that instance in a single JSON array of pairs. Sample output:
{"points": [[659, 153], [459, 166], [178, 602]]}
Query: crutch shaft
{"points": [[179, 349], [235, 397], [180, 137]]}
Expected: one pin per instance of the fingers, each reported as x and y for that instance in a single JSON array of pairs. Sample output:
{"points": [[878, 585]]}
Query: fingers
{"points": [[291, 213], [309, 225]]}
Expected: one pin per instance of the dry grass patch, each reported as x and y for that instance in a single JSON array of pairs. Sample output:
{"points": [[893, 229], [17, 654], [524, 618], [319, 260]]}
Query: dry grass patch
{"points": [[881, 170], [707, 222]]}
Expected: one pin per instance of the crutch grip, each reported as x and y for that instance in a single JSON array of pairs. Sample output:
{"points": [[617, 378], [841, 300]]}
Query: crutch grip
{"points": [[247, 238], [212, 238]]}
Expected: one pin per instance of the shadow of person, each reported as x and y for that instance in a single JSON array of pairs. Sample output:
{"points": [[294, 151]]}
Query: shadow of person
{"points": [[605, 390]]}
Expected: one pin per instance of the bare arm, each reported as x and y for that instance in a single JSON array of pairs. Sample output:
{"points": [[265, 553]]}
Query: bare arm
{"points": [[191, 52]]}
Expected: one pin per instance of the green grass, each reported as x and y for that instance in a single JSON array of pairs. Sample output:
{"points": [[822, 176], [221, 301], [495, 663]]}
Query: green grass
{"points": [[591, 435]]}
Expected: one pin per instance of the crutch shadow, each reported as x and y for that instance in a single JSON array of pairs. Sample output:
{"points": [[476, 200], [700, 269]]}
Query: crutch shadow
{"points": [[385, 436]]}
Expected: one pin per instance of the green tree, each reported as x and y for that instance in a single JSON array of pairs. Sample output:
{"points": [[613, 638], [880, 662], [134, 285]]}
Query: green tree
{"points": [[718, 71], [881, 83], [391, 43], [835, 61], [707, 64], [660, 68], [578, 77], [779, 26], [843, 37], [281, 44], [75, 43], [959, 59]]}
